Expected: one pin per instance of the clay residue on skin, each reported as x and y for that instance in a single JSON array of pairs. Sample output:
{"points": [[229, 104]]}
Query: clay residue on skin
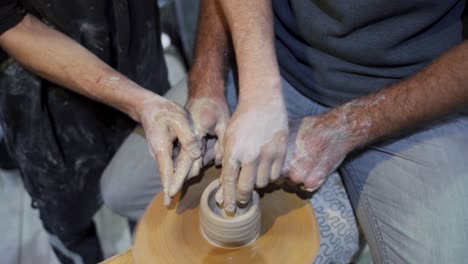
{"points": [[255, 139], [210, 117], [327, 144], [318, 145], [256, 129], [166, 114], [164, 122], [355, 115], [218, 209]]}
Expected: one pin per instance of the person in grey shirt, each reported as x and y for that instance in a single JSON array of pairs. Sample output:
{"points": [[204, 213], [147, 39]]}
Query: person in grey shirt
{"points": [[385, 84]]}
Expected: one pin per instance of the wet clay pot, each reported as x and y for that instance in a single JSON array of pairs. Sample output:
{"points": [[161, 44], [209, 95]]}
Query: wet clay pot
{"points": [[229, 231]]}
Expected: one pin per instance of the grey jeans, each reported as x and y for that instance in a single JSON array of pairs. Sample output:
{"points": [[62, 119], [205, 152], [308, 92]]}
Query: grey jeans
{"points": [[409, 194]]}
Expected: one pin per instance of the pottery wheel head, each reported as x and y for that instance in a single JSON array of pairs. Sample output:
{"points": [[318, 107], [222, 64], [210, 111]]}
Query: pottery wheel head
{"points": [[289, 231]]}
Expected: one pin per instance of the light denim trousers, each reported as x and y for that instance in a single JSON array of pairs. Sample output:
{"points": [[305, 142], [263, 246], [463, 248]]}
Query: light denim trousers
{"points": [[409, 194]]}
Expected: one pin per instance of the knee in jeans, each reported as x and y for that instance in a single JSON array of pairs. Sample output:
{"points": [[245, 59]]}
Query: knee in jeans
{"points": [[114, 198]]}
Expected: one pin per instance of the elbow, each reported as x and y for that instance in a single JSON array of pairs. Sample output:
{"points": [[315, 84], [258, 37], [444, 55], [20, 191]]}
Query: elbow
{"points": [[26, 24]]}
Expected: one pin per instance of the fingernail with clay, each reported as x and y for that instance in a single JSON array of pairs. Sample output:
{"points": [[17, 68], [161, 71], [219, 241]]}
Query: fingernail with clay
{"points": [[321, 182], [243, 202], [309, 189], [173, 191], [219, 197], [230, 208], [167, 200]]}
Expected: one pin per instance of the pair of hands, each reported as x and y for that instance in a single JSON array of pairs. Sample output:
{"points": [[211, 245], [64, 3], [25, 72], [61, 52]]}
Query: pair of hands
{"points": [[256, 146], [165, 122]]}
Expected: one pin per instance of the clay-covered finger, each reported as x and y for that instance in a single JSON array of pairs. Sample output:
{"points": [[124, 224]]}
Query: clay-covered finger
{"points": [[186, 137], [196, 167], [264, 171], [230, 175], [318, 175], [167, 200], [245, 186], [184, 163], [219, 148], [279, 162], [315, 179], [218, 153], [277, 167], [219, 196], [296, 174], [163, 155]]}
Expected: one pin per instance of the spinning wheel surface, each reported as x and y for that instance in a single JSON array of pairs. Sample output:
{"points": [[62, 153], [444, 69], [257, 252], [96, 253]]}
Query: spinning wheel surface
{"points": [[290, 232]]}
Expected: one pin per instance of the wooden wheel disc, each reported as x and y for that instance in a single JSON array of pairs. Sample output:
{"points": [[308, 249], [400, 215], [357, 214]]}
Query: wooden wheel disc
{"points": [[290, 232]]}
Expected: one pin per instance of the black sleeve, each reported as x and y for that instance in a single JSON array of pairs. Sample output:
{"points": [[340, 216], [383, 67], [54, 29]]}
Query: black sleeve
{"points": [[11, 13]]}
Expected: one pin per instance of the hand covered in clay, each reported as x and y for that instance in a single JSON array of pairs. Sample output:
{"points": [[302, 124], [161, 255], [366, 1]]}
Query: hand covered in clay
{"points": [[165, 122], [210, 116], [254, 148], [318, 145]]}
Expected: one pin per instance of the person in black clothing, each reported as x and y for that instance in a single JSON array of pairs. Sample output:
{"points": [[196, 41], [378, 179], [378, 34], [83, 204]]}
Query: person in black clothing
{"points": [[60, 140]]}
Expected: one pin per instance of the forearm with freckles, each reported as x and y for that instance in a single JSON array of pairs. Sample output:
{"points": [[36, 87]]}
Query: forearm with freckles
{"points": [[54, 56], [438, 90], [251, 25], [213, 49]]}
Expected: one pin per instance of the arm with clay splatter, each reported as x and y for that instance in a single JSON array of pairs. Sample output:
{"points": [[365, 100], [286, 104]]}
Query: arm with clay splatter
{"points": [[54, 56], [319, 144], [256, 137]]}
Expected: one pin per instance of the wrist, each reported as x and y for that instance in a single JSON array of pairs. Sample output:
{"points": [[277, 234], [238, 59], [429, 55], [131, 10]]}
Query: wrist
{"points": [[207, 78], [203, 92], [261, 89], [210, 86], [139, 103], [355, 123], [119, 92]]}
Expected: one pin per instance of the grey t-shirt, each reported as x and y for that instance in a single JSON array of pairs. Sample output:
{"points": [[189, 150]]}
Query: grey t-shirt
{"points": [[335, 50]]}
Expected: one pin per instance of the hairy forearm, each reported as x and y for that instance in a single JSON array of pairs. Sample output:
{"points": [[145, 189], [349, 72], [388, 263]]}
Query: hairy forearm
{"points": [[438, 90], [54, 56], [207, 77], [251, 25]]}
